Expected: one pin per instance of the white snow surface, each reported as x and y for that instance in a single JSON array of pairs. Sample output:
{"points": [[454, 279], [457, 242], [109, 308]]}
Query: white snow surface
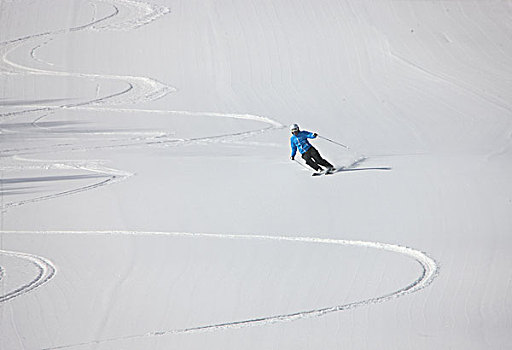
{"points": [[148, 200]]}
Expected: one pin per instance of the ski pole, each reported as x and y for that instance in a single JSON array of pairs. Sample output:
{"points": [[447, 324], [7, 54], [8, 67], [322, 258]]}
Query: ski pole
{"points": [[336, 143]]}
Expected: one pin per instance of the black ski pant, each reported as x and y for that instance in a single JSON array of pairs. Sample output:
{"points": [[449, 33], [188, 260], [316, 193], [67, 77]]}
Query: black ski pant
{"points": [[314, 159]]}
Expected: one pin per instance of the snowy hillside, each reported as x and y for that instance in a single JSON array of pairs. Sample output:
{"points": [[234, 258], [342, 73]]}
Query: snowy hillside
{"points": [[149, 200]]}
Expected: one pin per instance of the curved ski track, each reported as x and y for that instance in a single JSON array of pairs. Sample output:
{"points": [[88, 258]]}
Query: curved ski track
{"points": [[46, 270], [127, 15], [429, 271]]}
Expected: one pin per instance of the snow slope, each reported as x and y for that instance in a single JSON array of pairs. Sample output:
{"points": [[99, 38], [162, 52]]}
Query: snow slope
{"points": [[148, 200]]}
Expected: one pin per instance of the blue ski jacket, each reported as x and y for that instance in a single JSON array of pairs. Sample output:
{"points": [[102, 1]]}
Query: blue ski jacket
{"points": [[301, 142]]}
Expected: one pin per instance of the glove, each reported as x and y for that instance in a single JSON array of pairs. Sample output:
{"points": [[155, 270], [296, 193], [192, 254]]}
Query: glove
{"points": [[315, 134], [292, 157]]}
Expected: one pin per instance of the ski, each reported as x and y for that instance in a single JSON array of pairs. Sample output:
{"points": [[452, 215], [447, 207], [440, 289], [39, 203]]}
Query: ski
{"points": [[326, 171], [334, 170]]}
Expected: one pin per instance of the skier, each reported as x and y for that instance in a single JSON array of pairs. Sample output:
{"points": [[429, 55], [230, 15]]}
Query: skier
{"points": [[310, 154]]}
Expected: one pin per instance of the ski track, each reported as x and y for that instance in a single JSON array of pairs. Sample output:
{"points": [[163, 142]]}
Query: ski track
{"points": [[34, 56], [109, 176], [129, 15], [125, 15], [46, 271], [429, 271]]}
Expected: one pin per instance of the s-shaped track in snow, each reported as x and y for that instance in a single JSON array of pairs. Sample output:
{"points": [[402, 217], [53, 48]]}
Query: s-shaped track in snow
{"points": [[124, 15]]}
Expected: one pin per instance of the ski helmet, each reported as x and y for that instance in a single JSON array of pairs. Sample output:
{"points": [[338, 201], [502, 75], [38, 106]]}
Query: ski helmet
{"points": [[294, 127]]}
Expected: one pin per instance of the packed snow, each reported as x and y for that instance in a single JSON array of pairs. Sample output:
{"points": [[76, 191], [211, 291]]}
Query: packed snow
{"points": [[149, 200]]}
